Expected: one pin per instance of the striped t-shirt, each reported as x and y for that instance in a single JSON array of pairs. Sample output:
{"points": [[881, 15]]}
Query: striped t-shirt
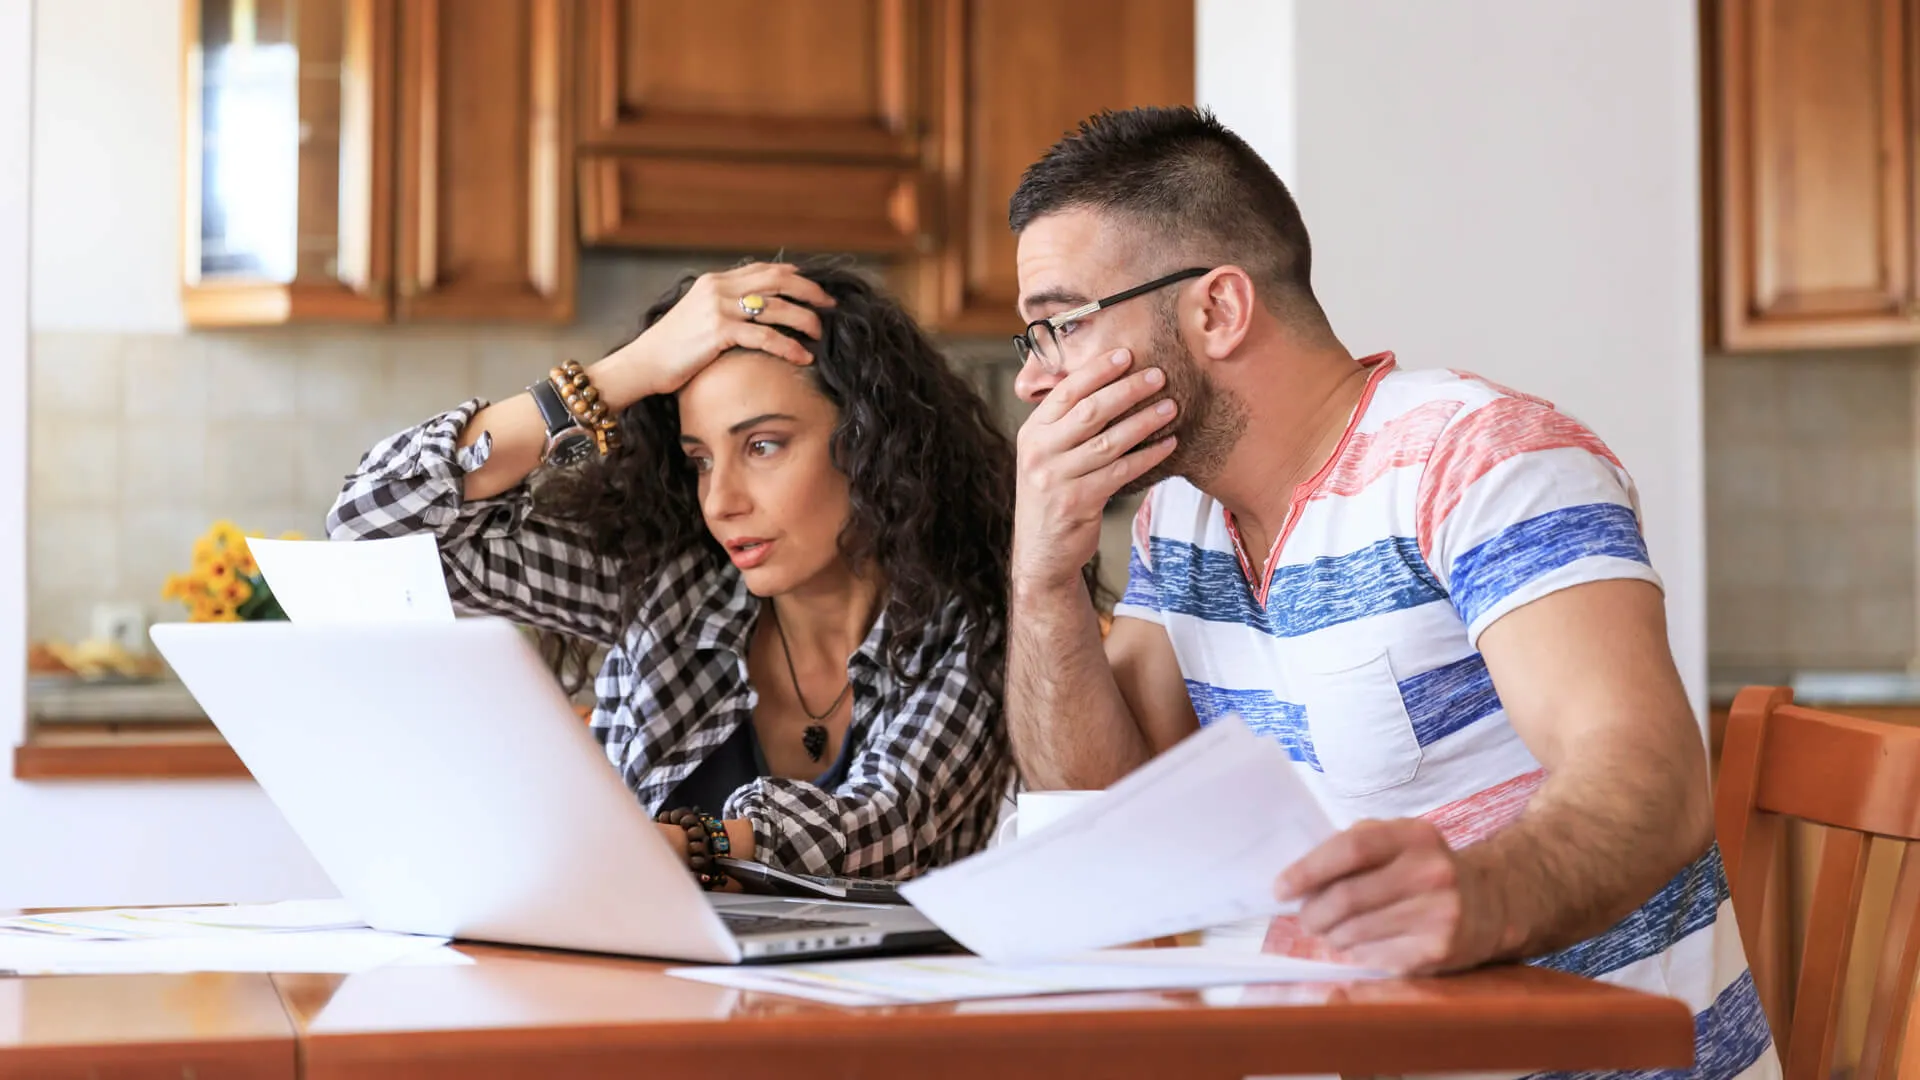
{"points": [[1449, 502]]}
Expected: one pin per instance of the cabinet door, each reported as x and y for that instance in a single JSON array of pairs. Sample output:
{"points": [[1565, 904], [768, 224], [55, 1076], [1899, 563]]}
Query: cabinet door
{"points": [[485, 215], [1015, 75], [1810, 148], [820, 79], [288, 188]]}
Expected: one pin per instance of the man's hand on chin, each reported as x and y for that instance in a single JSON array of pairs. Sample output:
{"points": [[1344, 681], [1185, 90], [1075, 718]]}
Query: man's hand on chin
{"points": [[1392, 896]]}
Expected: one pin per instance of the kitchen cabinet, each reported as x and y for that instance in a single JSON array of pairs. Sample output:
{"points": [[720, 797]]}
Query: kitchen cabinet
{"points": [[1012, 77], [1809, 128], [1793, 882], [744, 126], [377, 160], [485, 209], [889, 127]]}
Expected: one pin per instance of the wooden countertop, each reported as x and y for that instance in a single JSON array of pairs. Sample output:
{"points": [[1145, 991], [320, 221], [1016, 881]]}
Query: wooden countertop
{"points": [[531, 1013]]}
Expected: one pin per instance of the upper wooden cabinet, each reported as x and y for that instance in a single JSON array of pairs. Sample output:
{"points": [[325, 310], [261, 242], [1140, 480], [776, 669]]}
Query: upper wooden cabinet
{"points": [[1810, 173], [891, 127], [1013, 76], [486, 194], [745, 126], [370, 160], [823, 79]]}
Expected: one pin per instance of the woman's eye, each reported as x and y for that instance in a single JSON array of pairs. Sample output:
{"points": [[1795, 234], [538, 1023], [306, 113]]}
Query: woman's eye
{"points": [[699, 464], [763, 447]]}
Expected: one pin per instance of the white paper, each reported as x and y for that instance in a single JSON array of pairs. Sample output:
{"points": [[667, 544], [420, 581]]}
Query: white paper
{"points": [[391, 580], [923, 979], [215, 920], [1193, 839], [322, 951], [293, 936]]}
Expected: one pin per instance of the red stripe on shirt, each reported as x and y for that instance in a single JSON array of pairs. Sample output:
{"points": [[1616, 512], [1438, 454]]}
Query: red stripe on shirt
{"points": [[1480, 815], [1405, 440], [1462, 822], [1486, 437]]}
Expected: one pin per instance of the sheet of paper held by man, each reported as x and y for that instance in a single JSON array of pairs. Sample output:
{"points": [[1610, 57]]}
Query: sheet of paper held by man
{"points": [[389, 580], [1192, 839]]}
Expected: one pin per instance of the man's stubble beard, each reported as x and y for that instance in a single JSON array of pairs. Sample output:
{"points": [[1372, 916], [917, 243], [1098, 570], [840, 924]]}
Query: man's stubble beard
{"points": [[1209, 424]]}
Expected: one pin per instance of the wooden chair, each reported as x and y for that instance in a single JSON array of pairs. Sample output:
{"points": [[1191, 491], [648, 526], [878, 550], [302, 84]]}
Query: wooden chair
{"points": [[1860, 779]]}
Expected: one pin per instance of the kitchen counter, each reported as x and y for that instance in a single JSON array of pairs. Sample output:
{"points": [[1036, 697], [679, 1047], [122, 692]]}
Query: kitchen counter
{"points": [[1824, 689], [56, 699]]}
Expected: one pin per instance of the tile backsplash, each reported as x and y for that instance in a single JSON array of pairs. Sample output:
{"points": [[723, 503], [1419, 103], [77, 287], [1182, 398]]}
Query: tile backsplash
{"points": [[140, 441], [1811, 533]]}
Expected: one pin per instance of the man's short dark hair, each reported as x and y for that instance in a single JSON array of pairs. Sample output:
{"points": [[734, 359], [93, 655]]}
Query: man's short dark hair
{"points": [[1181, 174]]}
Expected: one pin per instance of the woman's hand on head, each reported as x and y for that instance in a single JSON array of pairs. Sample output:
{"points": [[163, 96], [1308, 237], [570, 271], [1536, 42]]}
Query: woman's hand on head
{"points": [[709, 320]]}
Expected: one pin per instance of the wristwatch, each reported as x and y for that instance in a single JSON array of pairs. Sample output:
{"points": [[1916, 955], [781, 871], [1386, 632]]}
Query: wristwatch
{"points": [[567, 442]]}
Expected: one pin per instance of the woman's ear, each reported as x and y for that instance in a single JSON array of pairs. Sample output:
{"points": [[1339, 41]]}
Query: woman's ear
{"points": [[1221, 313]]}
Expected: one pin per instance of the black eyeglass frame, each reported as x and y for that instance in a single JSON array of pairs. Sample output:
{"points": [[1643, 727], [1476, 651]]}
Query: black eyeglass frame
{"points": [[1027, 342]]}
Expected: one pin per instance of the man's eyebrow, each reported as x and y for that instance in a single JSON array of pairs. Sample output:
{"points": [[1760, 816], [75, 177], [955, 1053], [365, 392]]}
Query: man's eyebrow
{"points": [[1066, 298]]}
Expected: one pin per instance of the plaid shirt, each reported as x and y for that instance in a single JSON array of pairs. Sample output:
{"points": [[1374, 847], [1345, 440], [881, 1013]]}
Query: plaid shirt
{"points": [[927, 767]]}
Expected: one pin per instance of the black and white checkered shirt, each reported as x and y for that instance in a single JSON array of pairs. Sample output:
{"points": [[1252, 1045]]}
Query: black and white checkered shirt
{"points": [[926, 769]]}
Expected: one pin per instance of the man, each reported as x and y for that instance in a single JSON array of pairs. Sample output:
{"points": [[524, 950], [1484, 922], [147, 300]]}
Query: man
{"points": [[1432, 590]]}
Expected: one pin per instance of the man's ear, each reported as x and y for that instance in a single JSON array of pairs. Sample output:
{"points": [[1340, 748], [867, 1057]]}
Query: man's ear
{"points": [[1218, 313]]}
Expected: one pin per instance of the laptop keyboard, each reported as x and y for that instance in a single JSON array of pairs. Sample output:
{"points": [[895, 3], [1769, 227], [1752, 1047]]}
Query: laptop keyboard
{"points": [[741, 922]]}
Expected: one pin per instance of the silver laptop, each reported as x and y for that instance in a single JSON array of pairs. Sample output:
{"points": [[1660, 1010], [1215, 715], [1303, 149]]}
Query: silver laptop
{"points": [[440, 777]]}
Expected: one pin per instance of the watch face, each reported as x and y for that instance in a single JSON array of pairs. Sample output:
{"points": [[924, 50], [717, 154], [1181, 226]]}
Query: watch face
{"points": [[569, 448]]}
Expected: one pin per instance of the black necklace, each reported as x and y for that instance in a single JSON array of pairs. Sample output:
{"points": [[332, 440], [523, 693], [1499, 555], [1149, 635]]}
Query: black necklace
{"points": [[814, 739]]}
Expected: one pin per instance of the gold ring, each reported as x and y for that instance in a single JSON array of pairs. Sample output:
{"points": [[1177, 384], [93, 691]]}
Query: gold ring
{"points": [[753, 304]]}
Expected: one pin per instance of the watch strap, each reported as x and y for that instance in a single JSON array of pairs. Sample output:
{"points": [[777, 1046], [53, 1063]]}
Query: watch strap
{"points": [[553, 411]]}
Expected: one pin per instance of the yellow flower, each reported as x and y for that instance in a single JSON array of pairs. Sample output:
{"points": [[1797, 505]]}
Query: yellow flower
{"points": [[237, 592], [226, 534], [205, 550], [243, 563], [180, 587]]}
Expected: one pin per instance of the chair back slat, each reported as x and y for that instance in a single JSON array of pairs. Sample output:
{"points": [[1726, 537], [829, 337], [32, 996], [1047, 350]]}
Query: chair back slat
{"points": [[1823, 963], [1842, 771], [1860, 779], [1893, 987]]}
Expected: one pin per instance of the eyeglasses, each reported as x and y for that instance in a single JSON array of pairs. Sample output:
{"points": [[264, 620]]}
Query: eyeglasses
{"points": [[1041, 341]]}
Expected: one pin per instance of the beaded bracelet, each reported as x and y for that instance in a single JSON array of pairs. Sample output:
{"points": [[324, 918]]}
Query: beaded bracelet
{"points": [[582, 399], [707, 842]]}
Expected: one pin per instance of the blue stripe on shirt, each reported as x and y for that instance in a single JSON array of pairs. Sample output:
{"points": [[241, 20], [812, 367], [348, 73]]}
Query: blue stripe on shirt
{"points": [[1728, 1037], [1516, 555], [1385, 576], [1438, 702], [1689, 902]]}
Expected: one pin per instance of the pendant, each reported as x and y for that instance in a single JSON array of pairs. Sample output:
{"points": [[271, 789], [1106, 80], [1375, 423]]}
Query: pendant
{"points": [[815, 740]]}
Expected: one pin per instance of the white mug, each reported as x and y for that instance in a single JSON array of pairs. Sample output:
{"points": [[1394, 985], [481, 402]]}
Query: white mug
{"points": [[1035, 810]]}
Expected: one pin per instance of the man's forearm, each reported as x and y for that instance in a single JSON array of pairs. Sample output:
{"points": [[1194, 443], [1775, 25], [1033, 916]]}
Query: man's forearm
{"points": [[1570, 868], [1071, 727]]}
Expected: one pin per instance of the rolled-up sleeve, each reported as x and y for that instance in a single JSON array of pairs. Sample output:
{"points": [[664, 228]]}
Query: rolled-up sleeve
{"points": [[921, 788], [499, 555]]}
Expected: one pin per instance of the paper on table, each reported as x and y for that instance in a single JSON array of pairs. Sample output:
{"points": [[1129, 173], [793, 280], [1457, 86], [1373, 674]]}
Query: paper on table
{"points": [[320, 951], [293, 936], [390, 580], [214, 920], [923, 979], [1136, 863]]}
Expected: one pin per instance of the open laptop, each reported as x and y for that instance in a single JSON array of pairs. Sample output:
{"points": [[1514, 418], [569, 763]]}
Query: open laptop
{"points": [[442, 780]]}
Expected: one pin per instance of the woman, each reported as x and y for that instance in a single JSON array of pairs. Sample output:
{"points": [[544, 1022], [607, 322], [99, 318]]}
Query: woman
{"points": [[792, 545]]}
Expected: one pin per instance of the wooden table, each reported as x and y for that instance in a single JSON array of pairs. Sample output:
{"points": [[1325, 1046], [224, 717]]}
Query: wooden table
{"points": [[526, 1013]]}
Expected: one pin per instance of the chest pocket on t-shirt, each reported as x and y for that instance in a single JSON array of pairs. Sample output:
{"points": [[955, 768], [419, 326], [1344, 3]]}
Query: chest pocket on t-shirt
{"points": [[1358, 722]]}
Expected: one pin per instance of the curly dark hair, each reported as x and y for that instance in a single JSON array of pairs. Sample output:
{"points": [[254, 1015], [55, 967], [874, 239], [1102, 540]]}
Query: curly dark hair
{"points": [[930, 472]]}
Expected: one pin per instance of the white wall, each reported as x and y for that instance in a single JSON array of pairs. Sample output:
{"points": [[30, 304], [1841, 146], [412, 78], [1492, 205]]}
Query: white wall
{"points": [[1485, 190], [106, 165], [102, 100]]}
